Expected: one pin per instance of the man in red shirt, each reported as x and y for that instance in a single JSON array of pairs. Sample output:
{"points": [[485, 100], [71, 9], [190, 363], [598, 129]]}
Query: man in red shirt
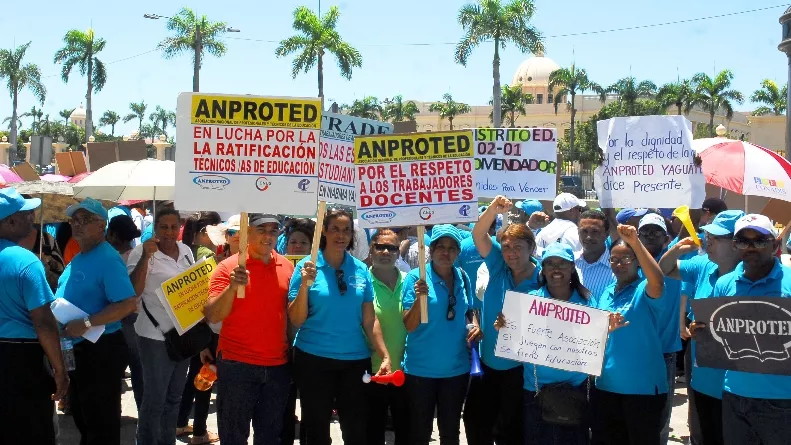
{"points": [[251, 356]]}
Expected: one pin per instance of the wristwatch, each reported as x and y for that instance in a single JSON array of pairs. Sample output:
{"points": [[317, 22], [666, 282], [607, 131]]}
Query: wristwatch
{"points": [[87, 322]]}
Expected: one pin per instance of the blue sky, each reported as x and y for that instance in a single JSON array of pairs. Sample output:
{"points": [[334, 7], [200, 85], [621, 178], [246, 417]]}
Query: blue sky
{"points": [[386, 33]]}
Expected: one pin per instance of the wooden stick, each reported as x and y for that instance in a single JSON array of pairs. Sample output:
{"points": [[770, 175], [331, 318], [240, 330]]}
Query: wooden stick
{"points": [[314, 248], [421, 253], [242, 248]]}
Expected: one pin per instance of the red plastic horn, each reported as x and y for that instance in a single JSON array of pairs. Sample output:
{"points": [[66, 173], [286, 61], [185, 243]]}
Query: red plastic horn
{"points": [[396, 378]]}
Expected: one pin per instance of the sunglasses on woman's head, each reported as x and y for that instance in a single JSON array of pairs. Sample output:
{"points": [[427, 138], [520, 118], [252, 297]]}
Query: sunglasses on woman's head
{"points": [[388, 247]]}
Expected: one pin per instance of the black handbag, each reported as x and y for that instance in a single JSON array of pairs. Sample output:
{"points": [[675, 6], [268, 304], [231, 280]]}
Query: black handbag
{"points": [[562, 403], [182, 347]]}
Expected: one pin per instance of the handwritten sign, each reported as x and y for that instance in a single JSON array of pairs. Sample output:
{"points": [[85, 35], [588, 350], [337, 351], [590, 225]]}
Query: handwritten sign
{"points": [[552, 333], [336, 157], [744, 334], [648, 159], [516, 162], [237, 152], [185, 295], [415, 179]]}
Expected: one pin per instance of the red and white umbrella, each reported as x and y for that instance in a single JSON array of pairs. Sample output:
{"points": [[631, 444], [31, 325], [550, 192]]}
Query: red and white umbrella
{"points": [[744, 168]]}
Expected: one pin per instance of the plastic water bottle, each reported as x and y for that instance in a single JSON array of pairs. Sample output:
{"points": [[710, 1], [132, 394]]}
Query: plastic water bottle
{"points": [[68, 354]]}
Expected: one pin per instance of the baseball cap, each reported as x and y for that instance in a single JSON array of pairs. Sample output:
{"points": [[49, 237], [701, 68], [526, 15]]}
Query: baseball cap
{"points": [[566, 201], [724, 223], [626, 214], [11, 202], [445, 230], [234, 222], [653, 219], [529, 206], [714, 205], [558, 250], [90, 205], [759, 223], [257, 219]]}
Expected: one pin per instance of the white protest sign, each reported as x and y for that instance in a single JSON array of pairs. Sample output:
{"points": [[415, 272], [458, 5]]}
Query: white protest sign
{"points": [[336, 157], [648, 161], [247, 153], [552, 333], [516, 162]]}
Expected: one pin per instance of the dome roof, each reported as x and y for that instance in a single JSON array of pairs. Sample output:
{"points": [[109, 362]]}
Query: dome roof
{"points": [[78, 113], [535, 71]]}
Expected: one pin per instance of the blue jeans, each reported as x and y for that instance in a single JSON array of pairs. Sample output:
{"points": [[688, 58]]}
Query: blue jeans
{"points": [[755, 421], [135, 366], [164, 381], [251, 392], [538, 432], [667, 411]]}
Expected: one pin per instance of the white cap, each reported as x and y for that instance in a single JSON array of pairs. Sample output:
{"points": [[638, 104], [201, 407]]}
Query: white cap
{"points": [[234, 222], [653, 219], [759, 223], [566, 201]]}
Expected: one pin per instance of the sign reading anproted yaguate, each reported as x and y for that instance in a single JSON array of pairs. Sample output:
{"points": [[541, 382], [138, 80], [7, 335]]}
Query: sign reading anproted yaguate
{"points": [[415, 179], [184, 295], [520, 163], [237, 152], [552, 333], [336, 157]]}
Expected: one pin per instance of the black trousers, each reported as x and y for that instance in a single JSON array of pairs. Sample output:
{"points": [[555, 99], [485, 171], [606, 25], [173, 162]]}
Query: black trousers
{"points": [[201, 399], [26, 410], [446, 395], [380, 398], [626, 419], [95, 390], [708, 417], [322, 381], [493, 411]]}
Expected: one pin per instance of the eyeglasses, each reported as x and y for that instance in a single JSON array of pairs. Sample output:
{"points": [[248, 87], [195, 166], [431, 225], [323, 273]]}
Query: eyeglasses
{"points": [[82, 221], [759, 243], [386, 247], [342, 287], [451, 306], [621, 261], [232, 232], [652, 233]]}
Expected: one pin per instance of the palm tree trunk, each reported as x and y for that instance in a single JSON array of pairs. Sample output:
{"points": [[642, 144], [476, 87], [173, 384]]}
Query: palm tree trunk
{"points": [[573, 123], [321, 75], [678, 105], [112, 130], [450, 121], [711, 124], [88, 109], [496, 111], [198, 50], [13, 130], [513, 119]]}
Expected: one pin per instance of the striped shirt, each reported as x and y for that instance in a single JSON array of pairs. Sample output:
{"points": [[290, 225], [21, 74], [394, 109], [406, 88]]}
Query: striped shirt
{"points": [[595, 276]]}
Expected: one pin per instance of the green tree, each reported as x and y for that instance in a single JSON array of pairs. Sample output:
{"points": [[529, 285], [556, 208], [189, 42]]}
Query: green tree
{"points": [[196, 35], [396, 110], [368, 108], [568, 82], [161, 118], [715, 94], [318, 35], [774, 100], [110, 118], [680, 94], [80, 50], [36, 114], [512, 103], [629, 91], [66, 114], [449, 109], [499, 23], [19, 76], [139, 113]]}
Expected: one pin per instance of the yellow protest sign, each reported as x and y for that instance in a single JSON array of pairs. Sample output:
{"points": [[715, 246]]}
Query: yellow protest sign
{"points": [[185, 294], [252, 111], [295, 258], [380, 149]]}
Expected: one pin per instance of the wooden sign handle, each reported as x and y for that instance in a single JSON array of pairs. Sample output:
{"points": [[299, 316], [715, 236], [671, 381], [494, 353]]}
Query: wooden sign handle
{"points": [[314, 248], [244, 223], [421, 253]]}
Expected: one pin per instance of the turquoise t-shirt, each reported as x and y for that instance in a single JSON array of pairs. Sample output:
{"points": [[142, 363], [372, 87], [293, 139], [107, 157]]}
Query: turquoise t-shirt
{"points": [[332, 329], [94, 280], [438, 349], [23, 287], [669, 310], [544, 374]]}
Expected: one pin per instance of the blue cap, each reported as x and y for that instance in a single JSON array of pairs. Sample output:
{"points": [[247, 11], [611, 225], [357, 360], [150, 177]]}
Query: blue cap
{"points": [[626, 214], [529, 206], [654, 219], [90, 205], [445, 230], [11, 202], [724, 223], [558, 250]]}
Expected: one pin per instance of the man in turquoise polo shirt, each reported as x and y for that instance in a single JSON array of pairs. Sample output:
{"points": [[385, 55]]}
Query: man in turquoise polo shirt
{"points": [[28, 332]]}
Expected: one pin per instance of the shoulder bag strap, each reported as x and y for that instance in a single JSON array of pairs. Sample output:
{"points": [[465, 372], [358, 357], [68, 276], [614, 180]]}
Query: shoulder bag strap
{"points": [[150, 317]]}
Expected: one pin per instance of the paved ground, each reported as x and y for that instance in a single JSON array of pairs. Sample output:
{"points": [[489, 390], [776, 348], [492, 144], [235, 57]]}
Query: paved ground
{"points": [[70, 436]]}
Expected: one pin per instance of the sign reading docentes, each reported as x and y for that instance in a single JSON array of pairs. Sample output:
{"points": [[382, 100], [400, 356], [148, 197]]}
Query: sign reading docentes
{"points": [[237, 151], [336, 157], [553, 333], [184, 295], [648, 159], [744, 334], [415, 179], [516, 162]]}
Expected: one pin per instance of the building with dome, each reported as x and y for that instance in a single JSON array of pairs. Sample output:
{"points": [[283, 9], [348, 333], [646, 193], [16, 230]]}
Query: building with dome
{"points": [[78, 116]]}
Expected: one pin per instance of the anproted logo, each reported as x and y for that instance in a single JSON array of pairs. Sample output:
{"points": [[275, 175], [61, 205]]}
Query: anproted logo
{"points": [[303, 185], [425, 213], [262, 183], [211, 182], [378, 216]]}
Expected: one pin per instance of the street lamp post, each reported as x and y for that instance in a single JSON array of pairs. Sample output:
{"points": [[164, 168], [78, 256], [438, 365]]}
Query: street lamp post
{"points": [[785, 46]]}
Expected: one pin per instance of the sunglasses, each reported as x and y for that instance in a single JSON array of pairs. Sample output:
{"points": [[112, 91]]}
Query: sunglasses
{"points": [[386, 247], [82, 221], [342, 287], [232, 232], [451, 306], [652, 233], [759, 243]]}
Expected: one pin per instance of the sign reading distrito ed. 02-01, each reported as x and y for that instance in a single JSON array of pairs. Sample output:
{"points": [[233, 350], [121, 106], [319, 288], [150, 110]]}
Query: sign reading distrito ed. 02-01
{"points": [[247, 153]]}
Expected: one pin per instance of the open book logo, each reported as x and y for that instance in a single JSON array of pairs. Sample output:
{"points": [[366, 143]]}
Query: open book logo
{"points": [[765, 335]]}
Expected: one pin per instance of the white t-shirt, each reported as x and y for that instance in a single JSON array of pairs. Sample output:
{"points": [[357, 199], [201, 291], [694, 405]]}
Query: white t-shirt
{"points": [[160, 269], [560, 230], [361, 249]]}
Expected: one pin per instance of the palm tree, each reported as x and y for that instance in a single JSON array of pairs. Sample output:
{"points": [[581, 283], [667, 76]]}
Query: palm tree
{"points": [[318, 35], [500, 23], [162, 118], [568, 82], [715, 94], [680, 94], [368, 108], [512, 102], [774, 99], [8, 119], [396, 110], [19, 76], [139, 113], [196, 35], [449, 108], [80, 51], [629, 91], [110, 118], [36, 114], [66, 115]]}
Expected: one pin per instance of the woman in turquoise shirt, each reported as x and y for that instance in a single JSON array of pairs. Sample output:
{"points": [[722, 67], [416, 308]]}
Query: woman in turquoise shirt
{"points": [[437, 358], [632, 388], [495, 399], [330, 352]]}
